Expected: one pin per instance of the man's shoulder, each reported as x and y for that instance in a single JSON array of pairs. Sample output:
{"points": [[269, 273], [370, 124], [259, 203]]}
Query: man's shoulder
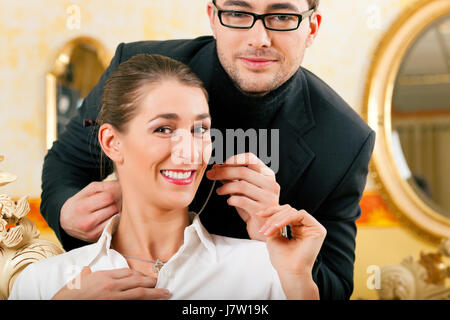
{"points": [[329, 107], [179, 49]]}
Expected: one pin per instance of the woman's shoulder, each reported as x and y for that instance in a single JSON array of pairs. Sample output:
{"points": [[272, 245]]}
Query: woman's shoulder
{"points": [[229, 241], [78, 256], [252, 249], [252, 259], [43, 278]]}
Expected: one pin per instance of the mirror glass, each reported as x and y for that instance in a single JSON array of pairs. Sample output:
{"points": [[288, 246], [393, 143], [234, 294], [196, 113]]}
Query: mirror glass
{"points": [[421, 116], [81, 71]]}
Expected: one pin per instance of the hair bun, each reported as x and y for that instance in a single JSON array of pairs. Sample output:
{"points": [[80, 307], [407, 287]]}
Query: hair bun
{"points": [[89, 123]]}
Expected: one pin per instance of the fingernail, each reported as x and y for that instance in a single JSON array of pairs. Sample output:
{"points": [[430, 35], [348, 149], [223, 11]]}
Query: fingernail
{"points": [[267, 231], [212, 172], [262, 228]]}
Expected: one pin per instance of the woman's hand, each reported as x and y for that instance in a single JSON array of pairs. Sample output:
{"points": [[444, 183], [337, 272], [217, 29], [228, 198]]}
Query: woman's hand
{"points": [[293, 258], [116, 284]]}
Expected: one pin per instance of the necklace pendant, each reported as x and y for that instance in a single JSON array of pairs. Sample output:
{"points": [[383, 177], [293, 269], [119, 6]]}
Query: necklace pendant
{"points": [[158, 265]]}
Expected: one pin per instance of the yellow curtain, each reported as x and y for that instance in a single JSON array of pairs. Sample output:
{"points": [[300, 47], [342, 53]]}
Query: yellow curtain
{"points": [[426, 146]]}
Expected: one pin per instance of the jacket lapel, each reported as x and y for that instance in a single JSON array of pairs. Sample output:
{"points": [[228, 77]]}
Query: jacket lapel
{"points": [[294, 120]]}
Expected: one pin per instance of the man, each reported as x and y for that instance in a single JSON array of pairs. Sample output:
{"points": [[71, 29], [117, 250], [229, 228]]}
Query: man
{"points": [[251, 69]]}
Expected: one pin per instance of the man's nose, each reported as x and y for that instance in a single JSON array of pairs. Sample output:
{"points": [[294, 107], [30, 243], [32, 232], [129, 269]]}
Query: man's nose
{"points": [[259, 36]]}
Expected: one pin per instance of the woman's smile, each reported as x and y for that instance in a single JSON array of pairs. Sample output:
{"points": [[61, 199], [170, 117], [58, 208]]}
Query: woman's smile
{"points": [[179, 176]]}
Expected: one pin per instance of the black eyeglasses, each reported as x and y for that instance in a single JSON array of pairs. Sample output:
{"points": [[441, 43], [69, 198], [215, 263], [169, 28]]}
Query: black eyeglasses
{"points": [[272, 21]]}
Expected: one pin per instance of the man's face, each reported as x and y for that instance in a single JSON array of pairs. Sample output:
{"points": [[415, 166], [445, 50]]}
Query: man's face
{"points": [[260, 60]]}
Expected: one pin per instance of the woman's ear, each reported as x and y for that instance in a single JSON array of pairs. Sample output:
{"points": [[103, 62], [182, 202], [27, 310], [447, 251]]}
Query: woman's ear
{"points": [[109, 140]]}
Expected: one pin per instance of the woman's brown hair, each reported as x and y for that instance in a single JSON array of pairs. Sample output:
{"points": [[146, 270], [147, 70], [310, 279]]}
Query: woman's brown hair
{"points": [[128, 84]]}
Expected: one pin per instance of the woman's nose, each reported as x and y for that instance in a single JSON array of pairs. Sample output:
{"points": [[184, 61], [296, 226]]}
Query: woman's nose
{"points": [[186, 149]]}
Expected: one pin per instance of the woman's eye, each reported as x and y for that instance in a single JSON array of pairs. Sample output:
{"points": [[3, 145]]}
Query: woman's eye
{"points": [[200, 130], [164, 130]]}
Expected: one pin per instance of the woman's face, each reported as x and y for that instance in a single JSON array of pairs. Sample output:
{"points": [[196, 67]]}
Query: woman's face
{"points": [[166, 147]]}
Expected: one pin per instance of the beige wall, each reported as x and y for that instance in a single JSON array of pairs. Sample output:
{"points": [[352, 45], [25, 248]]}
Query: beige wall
{"points": [[32, 32]]}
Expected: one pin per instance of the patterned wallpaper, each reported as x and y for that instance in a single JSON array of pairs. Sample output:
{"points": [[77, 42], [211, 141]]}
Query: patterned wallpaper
{"points": [[34, 31]]}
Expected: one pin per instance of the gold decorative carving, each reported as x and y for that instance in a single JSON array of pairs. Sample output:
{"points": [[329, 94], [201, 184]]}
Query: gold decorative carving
{"points": [[19, 238], [417, 280]]}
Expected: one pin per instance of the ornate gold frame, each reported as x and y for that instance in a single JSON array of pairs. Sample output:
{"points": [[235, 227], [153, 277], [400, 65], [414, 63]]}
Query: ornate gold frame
{"points": [[62, 59], [399, 195]]}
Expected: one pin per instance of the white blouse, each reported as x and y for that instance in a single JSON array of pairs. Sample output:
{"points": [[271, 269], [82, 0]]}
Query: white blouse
{"points": [[206, 267]]}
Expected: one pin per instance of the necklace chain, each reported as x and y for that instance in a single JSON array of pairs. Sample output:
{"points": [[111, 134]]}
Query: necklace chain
{"points": [[142, 259], [157, 264]]}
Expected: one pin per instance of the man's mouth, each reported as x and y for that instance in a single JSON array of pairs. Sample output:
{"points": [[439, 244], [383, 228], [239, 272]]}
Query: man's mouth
{"points": [[179, 176], [257, 63]]}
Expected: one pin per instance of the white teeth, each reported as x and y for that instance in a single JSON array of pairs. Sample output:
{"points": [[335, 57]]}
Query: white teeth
{"points": [[177, 175]]}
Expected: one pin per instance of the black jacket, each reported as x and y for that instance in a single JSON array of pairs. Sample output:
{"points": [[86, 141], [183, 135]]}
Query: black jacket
{"points": [[325, 148]]}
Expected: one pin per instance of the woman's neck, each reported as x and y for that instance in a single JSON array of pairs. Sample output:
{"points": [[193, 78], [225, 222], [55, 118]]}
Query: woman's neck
{"points": [[149, 232]]}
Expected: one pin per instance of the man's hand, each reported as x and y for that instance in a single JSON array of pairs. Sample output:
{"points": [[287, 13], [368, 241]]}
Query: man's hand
{"points": [[252, 188], [84, 215], [117, 284]]}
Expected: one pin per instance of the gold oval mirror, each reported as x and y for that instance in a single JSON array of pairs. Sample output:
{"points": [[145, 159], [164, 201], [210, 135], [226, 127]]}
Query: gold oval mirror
{"points": [[77, 69], [407, 102]]}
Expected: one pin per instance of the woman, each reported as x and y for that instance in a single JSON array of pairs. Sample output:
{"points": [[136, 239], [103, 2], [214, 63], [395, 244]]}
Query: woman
{"points": [[154, 126]]}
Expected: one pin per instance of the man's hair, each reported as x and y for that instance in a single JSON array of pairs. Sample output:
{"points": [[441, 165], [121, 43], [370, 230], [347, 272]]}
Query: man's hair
{"points": [[313, 4]]}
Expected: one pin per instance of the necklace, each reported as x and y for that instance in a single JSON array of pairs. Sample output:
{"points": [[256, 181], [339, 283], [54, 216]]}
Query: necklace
{"points": [[157, 264]]}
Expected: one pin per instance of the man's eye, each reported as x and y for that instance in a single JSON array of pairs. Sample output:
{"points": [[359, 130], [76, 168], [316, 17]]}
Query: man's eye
{"points": [[283, 18], [236, 15], [165, 130]]}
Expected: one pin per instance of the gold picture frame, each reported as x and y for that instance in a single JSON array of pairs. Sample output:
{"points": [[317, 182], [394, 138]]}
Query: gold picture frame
{"points": [[59, 67], [377, 107]]}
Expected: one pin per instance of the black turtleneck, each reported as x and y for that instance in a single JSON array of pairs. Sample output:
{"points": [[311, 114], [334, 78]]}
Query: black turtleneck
{"points": [[232, 109]]}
